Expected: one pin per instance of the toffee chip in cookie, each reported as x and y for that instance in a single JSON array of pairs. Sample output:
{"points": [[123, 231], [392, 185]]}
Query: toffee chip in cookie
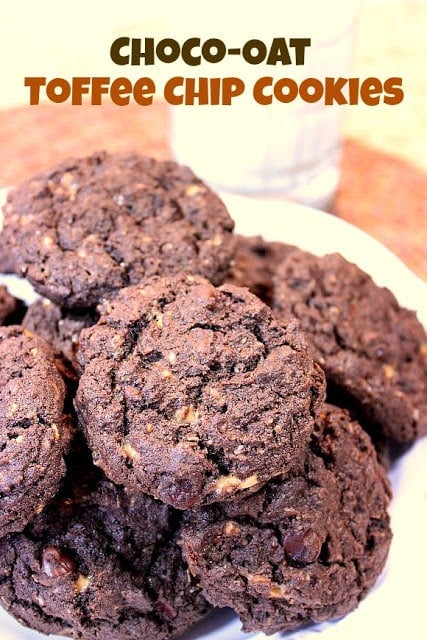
{"points": [[34, 432], [193, 393], [309, 545], [93, 225], [254, 264], [100, 563], [370, 348]]}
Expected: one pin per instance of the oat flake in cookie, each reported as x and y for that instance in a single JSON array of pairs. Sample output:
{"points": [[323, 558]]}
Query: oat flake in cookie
{"points": [[371, 349], [309, 545], [93, 225], [100, 564], [34, 433], [193, 393]]}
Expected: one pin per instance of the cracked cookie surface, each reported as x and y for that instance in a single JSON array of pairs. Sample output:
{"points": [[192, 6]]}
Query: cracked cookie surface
{"points": [[94, 225], [309, 545], [193, 393], [100, 563], [370, 348], [34, 432]]}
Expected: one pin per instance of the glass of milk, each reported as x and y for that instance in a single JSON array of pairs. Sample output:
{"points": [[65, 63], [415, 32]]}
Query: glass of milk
{"points": [[287, 150]]}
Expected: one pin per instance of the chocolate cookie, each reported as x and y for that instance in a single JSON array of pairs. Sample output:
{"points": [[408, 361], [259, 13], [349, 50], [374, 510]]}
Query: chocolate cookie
{"points": [[11, 309], [254, 264], [387, 450], [61, 328], [309, 545], [193, 393], [100, 563], [93, 225], [34, 432], [6, 265], [370, 348]]}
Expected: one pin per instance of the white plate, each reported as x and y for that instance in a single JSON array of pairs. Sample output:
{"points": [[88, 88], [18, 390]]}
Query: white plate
{"points": [[394, 610]]}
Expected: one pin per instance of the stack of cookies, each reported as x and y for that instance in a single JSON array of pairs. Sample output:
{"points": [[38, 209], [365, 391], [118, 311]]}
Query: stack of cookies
{"points": [[189, 417]]}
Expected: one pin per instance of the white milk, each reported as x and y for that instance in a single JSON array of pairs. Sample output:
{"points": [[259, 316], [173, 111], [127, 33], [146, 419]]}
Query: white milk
{"points": [[290, 150]]}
